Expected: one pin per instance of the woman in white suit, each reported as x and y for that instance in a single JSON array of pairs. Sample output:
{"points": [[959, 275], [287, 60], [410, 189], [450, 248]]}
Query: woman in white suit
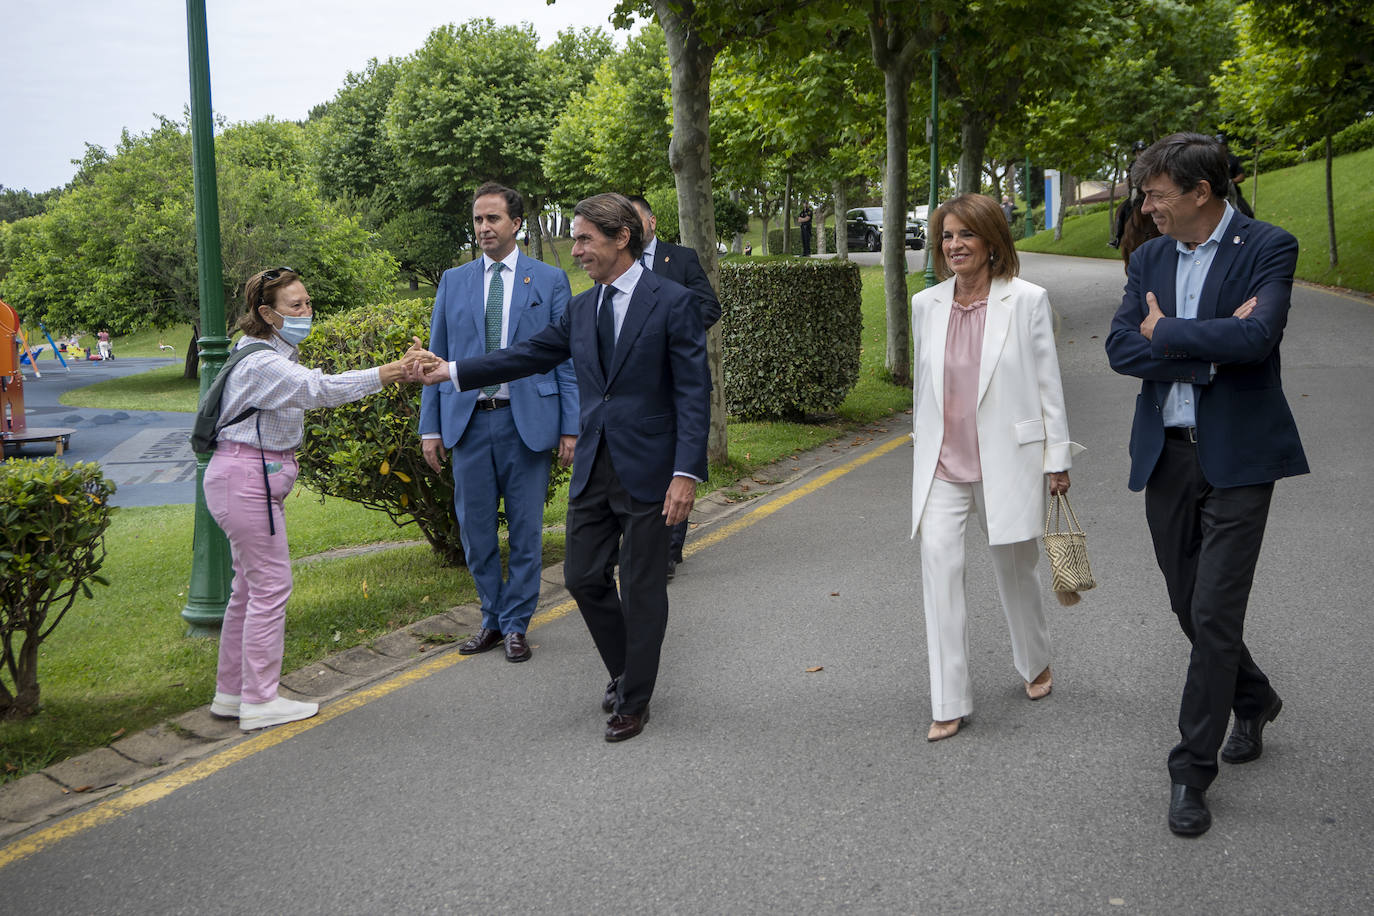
{"points": [[990, 431]]}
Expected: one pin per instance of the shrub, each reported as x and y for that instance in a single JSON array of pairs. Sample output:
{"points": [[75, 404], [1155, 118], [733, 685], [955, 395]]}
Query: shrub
{"points": [[1271, 160], [775, 240], [791, 335], [52, 541], [369, 451], [1354, 138]]}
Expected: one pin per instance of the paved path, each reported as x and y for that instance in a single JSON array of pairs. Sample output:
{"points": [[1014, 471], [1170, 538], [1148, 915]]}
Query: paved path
{"points": [[147, 453], [473, 785]]}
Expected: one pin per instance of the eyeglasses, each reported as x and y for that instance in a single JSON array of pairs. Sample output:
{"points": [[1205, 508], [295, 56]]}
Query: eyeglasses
{"points": [[269, 276]]}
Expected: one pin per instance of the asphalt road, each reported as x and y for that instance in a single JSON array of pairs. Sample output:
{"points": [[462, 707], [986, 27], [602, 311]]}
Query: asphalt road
{"points": [[147, 453], [758, 787]]}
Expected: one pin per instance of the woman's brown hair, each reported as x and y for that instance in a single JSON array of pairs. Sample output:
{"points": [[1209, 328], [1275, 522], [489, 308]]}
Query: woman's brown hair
{"points": [[261, 289], [987, 221]]}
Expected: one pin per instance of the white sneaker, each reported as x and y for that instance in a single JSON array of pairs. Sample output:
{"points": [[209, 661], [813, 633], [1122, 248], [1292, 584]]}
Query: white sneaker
{"points": [[225, 705], [274, 712]]}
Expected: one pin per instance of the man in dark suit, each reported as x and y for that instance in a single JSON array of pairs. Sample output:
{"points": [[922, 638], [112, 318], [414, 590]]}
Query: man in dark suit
{"points": [[681, 264], [639, 352], [501, 437], [1200, 323]]}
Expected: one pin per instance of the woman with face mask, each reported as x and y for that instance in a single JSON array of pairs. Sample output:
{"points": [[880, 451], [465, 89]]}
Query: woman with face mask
{"points": [[254, 464]]}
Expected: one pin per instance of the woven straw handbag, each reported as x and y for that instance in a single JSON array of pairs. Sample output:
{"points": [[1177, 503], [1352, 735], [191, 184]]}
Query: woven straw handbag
{"points": [[1067, 547]]}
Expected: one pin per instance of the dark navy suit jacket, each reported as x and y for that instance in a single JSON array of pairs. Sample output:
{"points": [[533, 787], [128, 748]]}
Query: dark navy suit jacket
{"points": [[681, 265], [650, 407], [1245, 430]]}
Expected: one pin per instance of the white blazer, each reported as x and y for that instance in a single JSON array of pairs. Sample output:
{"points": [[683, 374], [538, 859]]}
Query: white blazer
{"points": [[1023, 431]]}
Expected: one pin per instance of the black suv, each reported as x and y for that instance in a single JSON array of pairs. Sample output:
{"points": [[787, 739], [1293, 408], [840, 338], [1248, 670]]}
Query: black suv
{"points": [[864, 228]]}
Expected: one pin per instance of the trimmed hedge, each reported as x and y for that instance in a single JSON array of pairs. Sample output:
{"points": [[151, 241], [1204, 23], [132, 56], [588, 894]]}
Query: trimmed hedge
{"points": [[791, 335], [52, 543], [369, 451]]}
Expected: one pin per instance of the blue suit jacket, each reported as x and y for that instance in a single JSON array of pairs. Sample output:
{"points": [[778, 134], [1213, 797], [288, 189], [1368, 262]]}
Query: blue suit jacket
{"points": [[650, 407], [1246, 434], [544, 406], [681, 265]]}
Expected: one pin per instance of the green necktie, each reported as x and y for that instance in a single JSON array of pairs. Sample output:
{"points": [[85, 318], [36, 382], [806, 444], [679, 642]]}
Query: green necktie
{"points": [[495, 294]]}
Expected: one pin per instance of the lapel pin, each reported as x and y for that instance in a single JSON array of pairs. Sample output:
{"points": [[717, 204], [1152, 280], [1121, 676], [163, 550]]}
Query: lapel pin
{"points": [[527, 279], [1235, 240]]}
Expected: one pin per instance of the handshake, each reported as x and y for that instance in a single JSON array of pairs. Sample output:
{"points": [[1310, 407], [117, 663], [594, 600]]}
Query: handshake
{"points": [[421, 366]]}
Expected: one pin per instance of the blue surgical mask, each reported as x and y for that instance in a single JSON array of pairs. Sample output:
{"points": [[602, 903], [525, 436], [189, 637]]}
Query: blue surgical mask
{"points": [[294, 328]]}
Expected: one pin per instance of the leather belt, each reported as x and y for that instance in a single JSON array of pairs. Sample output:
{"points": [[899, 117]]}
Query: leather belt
{"points": [[1186, 433], [493, 403]]}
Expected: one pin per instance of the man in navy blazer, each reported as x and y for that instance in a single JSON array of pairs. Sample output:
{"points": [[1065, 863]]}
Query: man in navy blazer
{"points": [[680, 264], [1200, 323], [501, 437], [639, 352]]}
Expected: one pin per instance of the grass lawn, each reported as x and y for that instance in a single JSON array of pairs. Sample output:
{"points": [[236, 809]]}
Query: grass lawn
{"points": [[1294, 198], [120, 662]]}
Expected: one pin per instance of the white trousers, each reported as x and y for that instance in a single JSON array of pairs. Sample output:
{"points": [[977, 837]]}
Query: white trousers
{"points": [[942, 591]]}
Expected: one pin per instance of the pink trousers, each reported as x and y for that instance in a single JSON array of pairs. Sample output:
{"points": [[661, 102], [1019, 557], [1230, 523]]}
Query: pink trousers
{"points": [[254, 629]]}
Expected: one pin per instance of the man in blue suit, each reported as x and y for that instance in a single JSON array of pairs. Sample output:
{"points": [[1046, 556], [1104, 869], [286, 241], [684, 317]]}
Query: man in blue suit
{"points": [[681, 265], [1200, 323], [639, 351], [501, 436]]}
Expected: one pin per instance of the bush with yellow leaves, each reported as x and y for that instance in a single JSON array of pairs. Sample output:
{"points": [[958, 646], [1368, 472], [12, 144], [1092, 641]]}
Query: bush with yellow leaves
{"points": [[53, 518], [369, 451]]}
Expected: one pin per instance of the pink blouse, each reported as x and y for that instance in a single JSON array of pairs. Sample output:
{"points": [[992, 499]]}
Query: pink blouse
{"points": [[959, 462]]}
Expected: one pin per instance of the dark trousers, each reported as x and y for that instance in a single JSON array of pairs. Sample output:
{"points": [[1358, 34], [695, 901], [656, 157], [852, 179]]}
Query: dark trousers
{"points": [[806, 240], [1207, 541], [676, 540], [627, 626]]}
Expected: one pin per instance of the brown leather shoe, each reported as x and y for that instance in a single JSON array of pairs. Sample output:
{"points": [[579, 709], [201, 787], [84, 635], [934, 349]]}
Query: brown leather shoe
{"points": [[484, 640], [612, 694], [517, 648], [620, 726]]}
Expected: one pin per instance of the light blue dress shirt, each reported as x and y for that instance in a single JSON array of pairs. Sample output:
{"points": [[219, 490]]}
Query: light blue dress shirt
{"points": [[1180, 407]]}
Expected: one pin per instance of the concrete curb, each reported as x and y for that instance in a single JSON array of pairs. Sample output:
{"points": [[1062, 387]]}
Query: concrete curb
{"points": [[84, 780]]}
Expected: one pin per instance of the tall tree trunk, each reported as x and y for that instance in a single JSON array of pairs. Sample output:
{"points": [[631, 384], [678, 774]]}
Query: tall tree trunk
{"points": [[894, 49], [191, 367], [532, 228], [764, 223], [544, 231], [787, 215], [822, 214], [689, 154], [1330, 206], [841, 226], [1066, 196], [973, 135]]}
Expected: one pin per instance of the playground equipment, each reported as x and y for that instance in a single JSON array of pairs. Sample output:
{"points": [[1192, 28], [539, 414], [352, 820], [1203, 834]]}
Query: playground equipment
{"points": [[14, 430]]}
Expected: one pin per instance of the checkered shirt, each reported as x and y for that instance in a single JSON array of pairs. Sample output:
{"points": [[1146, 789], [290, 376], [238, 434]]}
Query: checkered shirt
{"points": [[283, 390]]}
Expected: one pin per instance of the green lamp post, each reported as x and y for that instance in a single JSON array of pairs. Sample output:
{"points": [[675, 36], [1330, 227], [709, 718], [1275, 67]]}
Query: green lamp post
{"points": [[211, 570]]}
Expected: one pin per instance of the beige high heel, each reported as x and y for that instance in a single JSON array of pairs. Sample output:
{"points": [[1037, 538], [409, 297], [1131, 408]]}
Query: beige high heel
{"points": [[939, 731], [1039, 688]]}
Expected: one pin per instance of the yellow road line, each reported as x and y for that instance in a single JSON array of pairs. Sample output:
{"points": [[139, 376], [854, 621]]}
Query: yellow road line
{"points": [[166, 785]]}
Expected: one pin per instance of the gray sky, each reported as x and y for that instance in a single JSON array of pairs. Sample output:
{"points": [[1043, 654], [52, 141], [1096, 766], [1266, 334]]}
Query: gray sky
{"points": [[81, 71]]}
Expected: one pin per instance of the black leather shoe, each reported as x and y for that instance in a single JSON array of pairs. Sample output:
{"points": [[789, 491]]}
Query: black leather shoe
{"points": [[612, 694], [484, 640], [1188, 814], [619, 727], [1247, 735], [517, 647], [672, 569]]}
